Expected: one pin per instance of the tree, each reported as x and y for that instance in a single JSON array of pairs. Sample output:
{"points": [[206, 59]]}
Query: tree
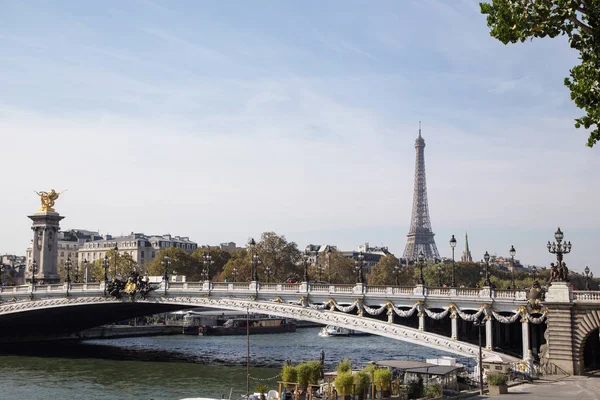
{"points": [[180, 262], [511, 21], [125, 265], [342, 268], [282, 257], [218, 257], [240, 260], [383, 272]]}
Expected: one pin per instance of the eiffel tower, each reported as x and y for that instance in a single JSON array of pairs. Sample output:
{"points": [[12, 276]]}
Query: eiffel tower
{"points": [[420, 237]]}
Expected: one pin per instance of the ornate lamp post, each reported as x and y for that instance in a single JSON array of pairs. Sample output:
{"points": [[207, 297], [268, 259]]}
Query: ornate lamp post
{"points": [[255, 262], [420, 263], [1, 272], [105, 265], [234, 274], [68, 265], [486, 269], [479, 323], [116, 254], [534, 273], [512, 253], [320, 271], [588, 275], [305, 258], [85, 268], [207, 262], [358, 264], [34, 269], [268, 273], [329, 251], [453, 245], [559, 248], [166, 262], [397, 270], [439, 271]]}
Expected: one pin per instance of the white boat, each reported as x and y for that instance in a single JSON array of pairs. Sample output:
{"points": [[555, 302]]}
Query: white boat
{"points": [[332, 330]]}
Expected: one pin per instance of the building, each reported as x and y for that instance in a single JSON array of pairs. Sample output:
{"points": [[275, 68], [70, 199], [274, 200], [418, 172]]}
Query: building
{"points": [[142, 248], [68, 244], [317, 253], [371, 255], [466, 254], [228, 246]]}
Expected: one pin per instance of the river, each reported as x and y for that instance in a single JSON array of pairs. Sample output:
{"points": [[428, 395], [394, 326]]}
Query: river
{"points": [[175, 367]]}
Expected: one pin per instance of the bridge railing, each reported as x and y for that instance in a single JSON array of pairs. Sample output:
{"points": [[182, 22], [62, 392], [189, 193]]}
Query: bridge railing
{"points": [[586, 295]]}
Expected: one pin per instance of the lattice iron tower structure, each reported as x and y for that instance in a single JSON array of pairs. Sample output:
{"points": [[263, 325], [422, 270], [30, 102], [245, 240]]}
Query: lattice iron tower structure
{"points": [[420, 236]]}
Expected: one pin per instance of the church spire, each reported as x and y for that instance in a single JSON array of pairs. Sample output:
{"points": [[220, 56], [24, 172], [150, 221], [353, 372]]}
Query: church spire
{"points": [[466, 254]]}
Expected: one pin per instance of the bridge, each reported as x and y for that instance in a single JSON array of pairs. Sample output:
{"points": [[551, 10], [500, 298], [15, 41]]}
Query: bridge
{"points": [[556, 330], [52, 310]]}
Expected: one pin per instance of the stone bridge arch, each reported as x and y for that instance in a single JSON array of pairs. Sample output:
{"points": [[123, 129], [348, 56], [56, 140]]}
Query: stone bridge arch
{"points": [[586, 322]]}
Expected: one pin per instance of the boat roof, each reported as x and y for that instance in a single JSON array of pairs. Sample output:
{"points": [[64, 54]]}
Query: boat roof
{"points": [[418, 367]]}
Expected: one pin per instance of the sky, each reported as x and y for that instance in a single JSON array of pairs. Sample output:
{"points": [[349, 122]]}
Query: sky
{"points": [[222, 120]]}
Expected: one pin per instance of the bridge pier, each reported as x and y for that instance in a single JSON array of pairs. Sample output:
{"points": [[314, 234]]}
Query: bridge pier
{"points": [[489, 335], [559, 331], [525, 337], [454, 324]]}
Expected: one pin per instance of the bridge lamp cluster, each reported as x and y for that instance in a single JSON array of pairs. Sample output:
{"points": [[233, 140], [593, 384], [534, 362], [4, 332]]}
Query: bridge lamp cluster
{"points": [[207, 262], [453, 245], [588, 276], [166, 263], [105, 265], [486, 268], [254, 260], [358, 265], [512, 253], [421, 263]]}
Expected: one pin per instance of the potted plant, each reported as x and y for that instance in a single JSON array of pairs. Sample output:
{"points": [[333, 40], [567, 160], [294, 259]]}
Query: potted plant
{"points": [[289, 375], [497, 384], [432, 391], [262, 389], [361, 383], [344, 366], [383, 381], [343, 383]]}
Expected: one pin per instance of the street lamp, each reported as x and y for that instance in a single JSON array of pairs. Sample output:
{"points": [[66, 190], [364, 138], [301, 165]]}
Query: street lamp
{"points": [[34, 270], [358, 264], [305, 258], [116, 254], [559, 248], [85, 267], [453, 245], [105, 265], [397, 270], [329, 251], [534, 273], [68, 265], [268, 273], [421, 262], [479, 323], [439, 271], [166, 262], [512, 253], [235, 274], [486, 269], [255, 261], [588, 276], [1, 272], [320, 271], [208, 262]]}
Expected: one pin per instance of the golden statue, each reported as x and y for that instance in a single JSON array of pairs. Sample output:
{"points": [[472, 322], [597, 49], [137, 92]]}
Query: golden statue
{"points": [[47, 200]]}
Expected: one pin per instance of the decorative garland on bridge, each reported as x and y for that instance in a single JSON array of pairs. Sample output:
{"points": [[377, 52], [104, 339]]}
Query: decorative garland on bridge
{"points": [[523, 312]]}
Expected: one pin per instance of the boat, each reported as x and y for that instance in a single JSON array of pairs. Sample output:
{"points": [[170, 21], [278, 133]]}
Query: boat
{"points": [[257, 325], [332, 330]]}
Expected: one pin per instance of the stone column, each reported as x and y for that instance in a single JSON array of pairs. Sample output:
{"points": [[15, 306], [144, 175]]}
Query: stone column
{"points": [[525, 337], [454, 324], [559, 330], [489, 334], [44, 250]]}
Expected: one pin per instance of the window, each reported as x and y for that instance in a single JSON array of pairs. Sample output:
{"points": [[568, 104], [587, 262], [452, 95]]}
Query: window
{"points": [[142, 254], [62, 253], [153, 254]]}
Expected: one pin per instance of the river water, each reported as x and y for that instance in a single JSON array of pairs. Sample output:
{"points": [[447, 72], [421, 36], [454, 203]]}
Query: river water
{"points": [[175, 367]]}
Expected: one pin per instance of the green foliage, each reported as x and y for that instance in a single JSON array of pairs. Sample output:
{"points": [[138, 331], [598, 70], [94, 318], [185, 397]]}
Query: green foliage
{"points": [[344, 366], [383, 378], [218, 256], [281, 256], [315, 371], [512, 21], [361, 382], [125, 265], [383, 273], [343, 382], [180, 262], [262, 389], [432, 391], [240, 260], [289, 373], [497, 379], [370, 370]]}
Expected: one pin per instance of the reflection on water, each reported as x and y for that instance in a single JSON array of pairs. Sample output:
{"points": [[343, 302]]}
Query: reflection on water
{"points": [[173, 367]]}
